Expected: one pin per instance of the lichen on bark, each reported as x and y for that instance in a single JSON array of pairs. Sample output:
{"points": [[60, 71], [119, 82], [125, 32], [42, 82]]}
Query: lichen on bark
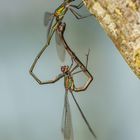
{"points": [[121, 21]]}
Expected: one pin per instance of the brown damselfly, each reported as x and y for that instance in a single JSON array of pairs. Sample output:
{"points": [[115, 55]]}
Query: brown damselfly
{"points": [[67, 72]]}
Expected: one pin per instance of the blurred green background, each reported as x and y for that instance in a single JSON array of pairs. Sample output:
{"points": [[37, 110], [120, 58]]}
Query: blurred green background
{"points": [[29, 111]]}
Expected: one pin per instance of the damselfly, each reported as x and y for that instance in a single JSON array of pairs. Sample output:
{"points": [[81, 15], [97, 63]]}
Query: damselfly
{"points": [[59, 14], [52, 25], [67, 72]]}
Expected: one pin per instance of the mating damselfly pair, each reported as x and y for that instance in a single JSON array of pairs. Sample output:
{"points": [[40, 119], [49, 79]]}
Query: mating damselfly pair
{"points": [[67, 72]]}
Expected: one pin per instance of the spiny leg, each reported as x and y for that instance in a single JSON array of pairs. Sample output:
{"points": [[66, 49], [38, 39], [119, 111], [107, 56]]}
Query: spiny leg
{"points": [[78, 6], [33, 66], [87, 56], [51, 32], [75, 67], [77, 15], [87, 73], [35, 62], [71, 63]]}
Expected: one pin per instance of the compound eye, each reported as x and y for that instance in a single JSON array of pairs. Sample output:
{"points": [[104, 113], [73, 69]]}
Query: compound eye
{"points": [[65, 68], [62, 68], [68, 67]]}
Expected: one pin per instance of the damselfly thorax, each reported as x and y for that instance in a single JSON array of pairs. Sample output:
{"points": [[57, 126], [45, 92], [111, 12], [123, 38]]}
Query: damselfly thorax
{"points": [[68, 79], [69, 82], [61, 11]]}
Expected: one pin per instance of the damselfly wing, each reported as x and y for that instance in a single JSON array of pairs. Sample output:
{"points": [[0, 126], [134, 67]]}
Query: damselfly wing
{"points": [[47, 18], [83, 116], [48, 21], [61, 52], [66, 127]]}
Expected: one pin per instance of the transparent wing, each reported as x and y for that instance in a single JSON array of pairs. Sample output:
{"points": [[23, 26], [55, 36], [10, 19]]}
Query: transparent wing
{"points": [[61, 52], [48, 21], [47, 18], [83, 116], [67, 128]]}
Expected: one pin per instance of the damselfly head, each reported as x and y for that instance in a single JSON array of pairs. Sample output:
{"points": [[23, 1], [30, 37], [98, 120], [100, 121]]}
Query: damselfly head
{"points": [[65, 69]]}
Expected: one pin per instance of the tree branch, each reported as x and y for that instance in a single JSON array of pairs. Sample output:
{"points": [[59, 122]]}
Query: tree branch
{"points": [[121, 21]]}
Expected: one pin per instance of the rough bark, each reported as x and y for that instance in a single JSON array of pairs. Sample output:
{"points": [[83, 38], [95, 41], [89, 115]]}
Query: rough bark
{"points": [[121, 21]]}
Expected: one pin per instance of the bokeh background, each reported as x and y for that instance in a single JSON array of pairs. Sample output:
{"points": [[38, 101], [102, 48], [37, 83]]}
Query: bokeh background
{"points": [[29, 111]]}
